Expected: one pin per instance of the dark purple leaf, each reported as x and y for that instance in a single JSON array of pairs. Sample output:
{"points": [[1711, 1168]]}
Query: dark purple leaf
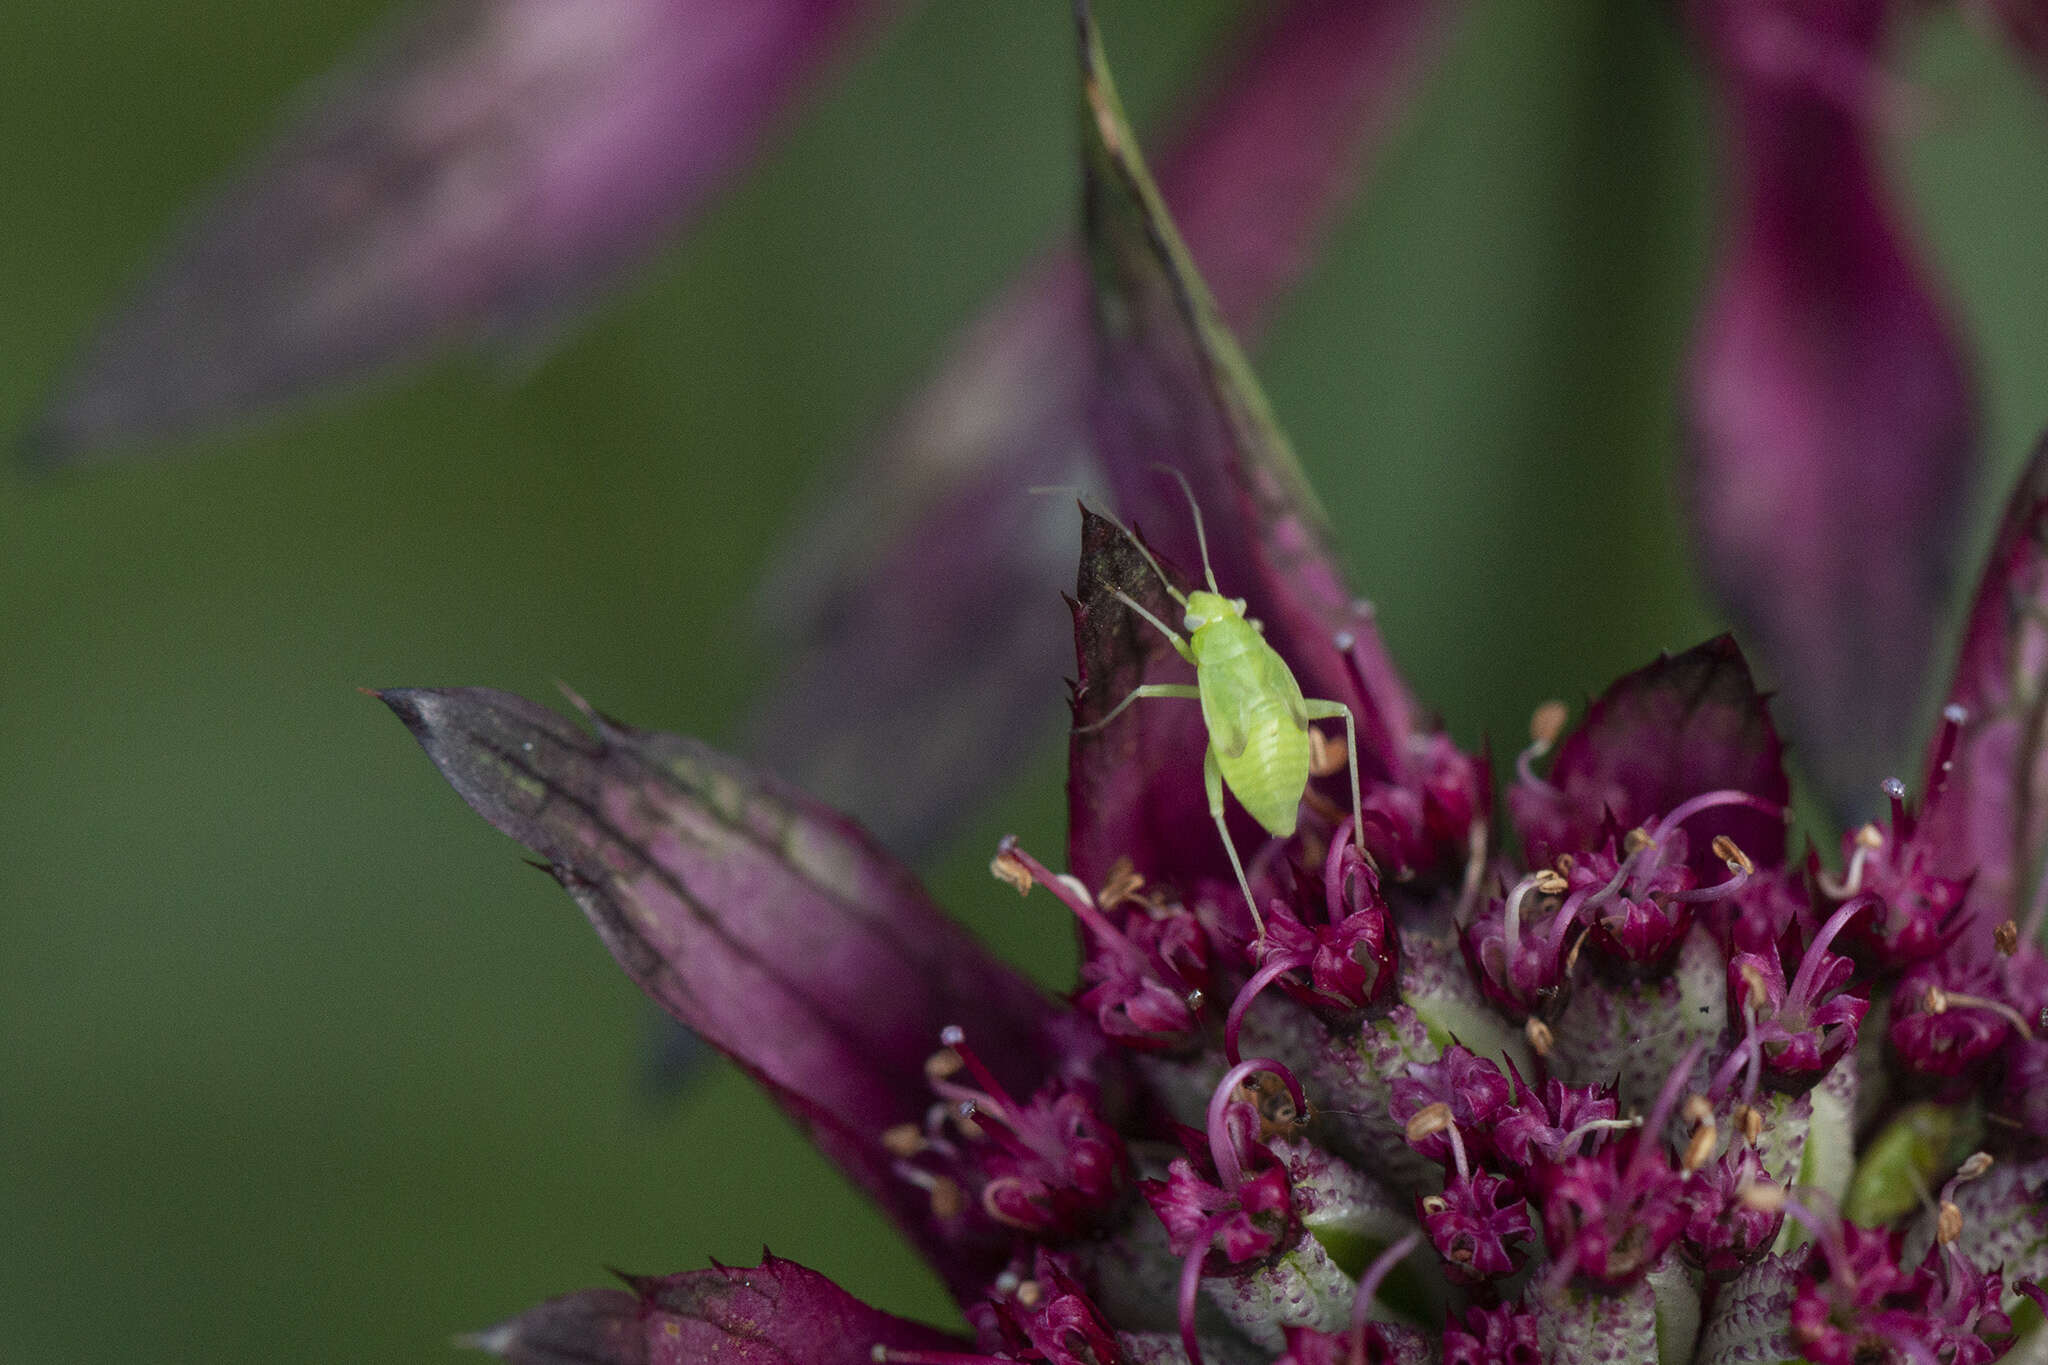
{"points": [[918, 599], [1173, 384], [768, 923], [777, 1313], [1833, 433], [480, 168], [1686, 725], [1990, 814]]}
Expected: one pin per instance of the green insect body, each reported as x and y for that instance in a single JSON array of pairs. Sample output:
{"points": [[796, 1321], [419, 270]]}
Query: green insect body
{"points": [[1254, 711], [1256, 716]]}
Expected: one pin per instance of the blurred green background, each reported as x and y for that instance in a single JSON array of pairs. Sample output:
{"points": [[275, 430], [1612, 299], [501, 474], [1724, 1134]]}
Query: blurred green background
{"points": [[297, 1061]]}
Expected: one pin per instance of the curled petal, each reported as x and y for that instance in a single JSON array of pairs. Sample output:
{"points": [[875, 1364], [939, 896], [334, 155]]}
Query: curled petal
{"points": [[771, 925], [777, 1313], [1833, 424], [479, 169], [913, 603]]}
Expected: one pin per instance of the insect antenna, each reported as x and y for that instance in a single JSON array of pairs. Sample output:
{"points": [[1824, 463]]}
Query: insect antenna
{"points": [[1175, 593], [1201, 535]]}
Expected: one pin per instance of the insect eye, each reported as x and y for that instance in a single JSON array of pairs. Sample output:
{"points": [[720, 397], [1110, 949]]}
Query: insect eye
{"points": [[1237, 604], [1193, 621]]}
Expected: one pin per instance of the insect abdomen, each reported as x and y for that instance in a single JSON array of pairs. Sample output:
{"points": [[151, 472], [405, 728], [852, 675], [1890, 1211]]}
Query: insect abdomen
{"points": [[1253, 706], [1269, 776]]}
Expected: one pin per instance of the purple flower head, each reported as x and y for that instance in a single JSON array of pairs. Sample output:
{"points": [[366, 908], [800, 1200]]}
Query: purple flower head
{"points": [[1336, 928], [1855, 1303], [1505, 1335], [1609, 1216], [1046, 1318], [1472, 1091], [1636, 892], [1950, 1017], [1724, 1228], [1799, 1031], [1476, 1224], [1549, 1123], [1419, 824], [1917, 908], [1049, 1166], [1517, 950], [1230, 1196], [1144, 963]]}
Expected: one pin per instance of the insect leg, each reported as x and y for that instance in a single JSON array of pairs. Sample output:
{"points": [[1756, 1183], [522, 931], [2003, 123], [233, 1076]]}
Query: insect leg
{"points": [[1180, 646], [1185, 691], [1330, 710], [1212, 782]]}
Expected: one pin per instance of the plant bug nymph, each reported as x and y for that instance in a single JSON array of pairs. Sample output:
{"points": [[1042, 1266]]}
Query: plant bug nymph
{"points": [[1257, 719]]}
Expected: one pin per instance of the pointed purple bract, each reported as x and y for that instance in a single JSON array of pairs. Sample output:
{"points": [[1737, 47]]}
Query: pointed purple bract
{"points": [[1990, 816], [479, 169], [771, 925], [777, 1313], [1172, 385], [1833, 432], [1685, 725], [913, 603]]}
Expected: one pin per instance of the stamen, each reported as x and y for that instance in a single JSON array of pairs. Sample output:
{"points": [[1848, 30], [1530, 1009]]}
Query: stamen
{"points": [[1730, 852], [1580, 901], [1938, 1001], [1539, 1035], [1948, 1224], [1738, 1057], [1369, 1288], [1325, 755], [1005, 867], [1810, 964], [947, 1198], [1543, 880], [994, 1099], [1569, 1144], [1700, 1149], [1264, 977], [1749, 1121], [1475, 874], [1544, 727], [1430, 1119], [1953, 718], [1868, 840], [1713, 800], [1071, 894], [1975, 1168], [1660, 1112], [1123, 883], [1229, 1170], [1740, 869], [1825, 1231], [903, 1140], [2006, 938], [1458, 1152]]}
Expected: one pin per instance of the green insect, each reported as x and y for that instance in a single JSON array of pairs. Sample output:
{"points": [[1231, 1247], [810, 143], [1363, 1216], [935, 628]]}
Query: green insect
{"points": [[1257, 719]]}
